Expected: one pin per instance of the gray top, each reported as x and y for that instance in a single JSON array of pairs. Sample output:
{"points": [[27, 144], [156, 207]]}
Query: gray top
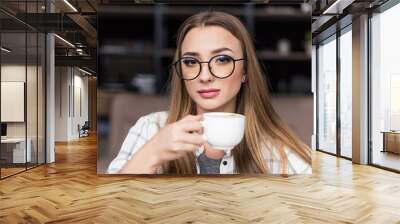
{"points": [[207, 165]]}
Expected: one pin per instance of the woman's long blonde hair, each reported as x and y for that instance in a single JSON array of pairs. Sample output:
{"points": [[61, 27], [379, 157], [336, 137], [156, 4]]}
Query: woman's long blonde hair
{"points": [[264, 130]]}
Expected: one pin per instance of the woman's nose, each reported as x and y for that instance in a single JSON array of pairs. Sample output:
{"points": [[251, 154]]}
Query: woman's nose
{"points": [[205, 73]]}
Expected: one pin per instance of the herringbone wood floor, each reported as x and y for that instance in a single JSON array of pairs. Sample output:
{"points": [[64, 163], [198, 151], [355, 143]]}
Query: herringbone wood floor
{"points": [[69, 191]]}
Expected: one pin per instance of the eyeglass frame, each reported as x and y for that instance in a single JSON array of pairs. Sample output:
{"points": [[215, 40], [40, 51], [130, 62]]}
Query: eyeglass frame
{"points": [[208, 65]]}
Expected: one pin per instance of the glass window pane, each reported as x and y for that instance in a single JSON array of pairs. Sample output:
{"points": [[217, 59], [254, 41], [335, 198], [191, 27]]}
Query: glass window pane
{"points": [[31, 86], [31, 97], [14, 148], [41, 98], [23, 85], [385, 84], [327, 96], [346, 94]]}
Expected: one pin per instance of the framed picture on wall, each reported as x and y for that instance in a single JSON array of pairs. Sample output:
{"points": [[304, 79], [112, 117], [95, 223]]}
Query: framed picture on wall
{"points": [[12, 101]]}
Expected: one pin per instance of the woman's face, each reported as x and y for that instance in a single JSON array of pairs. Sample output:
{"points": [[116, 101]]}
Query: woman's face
{"points": [[203, 43]]}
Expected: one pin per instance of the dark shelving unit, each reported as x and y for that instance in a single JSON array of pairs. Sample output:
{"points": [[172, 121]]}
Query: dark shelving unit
{"points": [[150, 46]]}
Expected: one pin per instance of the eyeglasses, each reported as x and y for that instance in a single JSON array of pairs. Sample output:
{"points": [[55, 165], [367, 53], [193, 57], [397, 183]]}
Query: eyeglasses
{"points": [[220, 66]]}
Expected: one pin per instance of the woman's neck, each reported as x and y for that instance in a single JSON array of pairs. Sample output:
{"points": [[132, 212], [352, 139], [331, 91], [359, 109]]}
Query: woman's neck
{"points": [[213, 153]]}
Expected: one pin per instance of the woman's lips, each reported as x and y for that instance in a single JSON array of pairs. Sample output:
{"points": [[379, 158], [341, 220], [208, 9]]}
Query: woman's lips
{"points": [[209, 93]]}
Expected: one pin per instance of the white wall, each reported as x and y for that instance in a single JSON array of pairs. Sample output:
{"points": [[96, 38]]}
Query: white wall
{"points": [[80, 100], [12, 73], [70, 83], [61, 103], [33, 126]]}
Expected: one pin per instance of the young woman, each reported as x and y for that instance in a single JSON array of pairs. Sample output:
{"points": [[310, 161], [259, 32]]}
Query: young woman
{"points": [[215, 69]]}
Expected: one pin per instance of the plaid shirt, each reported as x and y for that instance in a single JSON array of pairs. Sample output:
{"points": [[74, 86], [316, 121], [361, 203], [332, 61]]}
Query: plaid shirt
{"points": [[149, 125]]}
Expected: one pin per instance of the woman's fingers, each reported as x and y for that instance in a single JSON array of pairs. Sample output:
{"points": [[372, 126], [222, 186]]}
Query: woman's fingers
{"points": [[193, 138], [181, 138], [179, 147], [192, 126]]}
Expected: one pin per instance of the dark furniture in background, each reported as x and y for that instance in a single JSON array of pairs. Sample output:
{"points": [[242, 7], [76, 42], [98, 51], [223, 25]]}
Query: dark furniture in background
{"points": [[84, 130], [144, 42], [3, 129]]}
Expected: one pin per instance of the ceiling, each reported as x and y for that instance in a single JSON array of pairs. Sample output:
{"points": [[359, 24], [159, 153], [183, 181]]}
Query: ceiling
{"points": [[72, 20]]}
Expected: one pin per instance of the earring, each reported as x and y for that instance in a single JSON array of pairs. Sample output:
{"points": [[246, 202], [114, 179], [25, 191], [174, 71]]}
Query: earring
{"points": [[244, 78]]}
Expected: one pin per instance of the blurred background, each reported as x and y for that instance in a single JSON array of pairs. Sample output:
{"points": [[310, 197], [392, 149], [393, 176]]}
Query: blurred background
{"points": [[136, 43]]}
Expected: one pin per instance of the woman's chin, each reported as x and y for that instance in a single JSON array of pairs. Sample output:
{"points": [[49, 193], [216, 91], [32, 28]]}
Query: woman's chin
{"points": [[210, 109], [210, 106]]}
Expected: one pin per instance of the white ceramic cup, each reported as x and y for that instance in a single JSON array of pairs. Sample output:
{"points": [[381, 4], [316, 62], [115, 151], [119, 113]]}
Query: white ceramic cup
{"points": [[223, 131]]}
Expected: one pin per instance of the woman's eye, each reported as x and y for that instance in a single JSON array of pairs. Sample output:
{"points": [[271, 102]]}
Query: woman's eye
{"points": [[224, 59], [189, 62]]}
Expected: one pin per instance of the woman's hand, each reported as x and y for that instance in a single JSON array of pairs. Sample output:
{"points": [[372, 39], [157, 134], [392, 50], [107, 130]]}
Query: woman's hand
{"points": [[170, 143]]}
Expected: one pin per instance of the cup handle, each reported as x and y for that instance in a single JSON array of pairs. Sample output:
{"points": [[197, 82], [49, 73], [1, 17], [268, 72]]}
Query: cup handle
{"points": [[203, 135]]}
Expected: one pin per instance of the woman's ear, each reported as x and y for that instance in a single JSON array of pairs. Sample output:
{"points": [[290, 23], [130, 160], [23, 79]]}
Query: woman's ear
{"points": [[244, 78]]}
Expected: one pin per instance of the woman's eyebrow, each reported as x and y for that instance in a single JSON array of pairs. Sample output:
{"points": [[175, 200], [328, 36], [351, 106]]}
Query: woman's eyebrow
{"points": [[213, 52]]}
